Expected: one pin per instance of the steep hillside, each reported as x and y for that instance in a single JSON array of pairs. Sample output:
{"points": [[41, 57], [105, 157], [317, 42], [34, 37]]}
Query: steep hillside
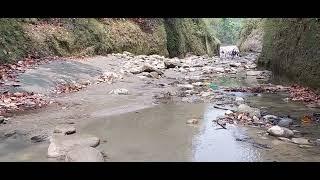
{"points": [[291, 47], [98, 36], [251, 35], [189, 35]]}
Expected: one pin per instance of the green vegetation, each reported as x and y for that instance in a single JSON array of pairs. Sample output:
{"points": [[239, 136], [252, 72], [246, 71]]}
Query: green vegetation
{"points": [[227, 30], [291, 48], [99, 36], [189, 35], [13, 41], [251, 34]]}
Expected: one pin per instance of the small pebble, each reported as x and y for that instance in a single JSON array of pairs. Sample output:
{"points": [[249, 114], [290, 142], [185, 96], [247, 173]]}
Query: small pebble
{"points": [[192, 121]]}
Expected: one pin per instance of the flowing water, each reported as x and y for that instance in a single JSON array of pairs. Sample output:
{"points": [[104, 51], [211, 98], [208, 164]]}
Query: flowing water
{"points": [[160, 133]]}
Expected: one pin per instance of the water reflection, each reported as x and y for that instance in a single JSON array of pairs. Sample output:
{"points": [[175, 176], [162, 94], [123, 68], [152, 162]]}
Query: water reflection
{"points": [[215, 144]]}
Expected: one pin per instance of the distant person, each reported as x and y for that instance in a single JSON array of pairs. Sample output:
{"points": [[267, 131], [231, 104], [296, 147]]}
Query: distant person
{"points": [[233, 53], [222, 53]]}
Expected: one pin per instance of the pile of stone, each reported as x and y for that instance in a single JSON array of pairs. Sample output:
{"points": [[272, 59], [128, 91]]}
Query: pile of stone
{"points": [[109, 77], [278, 127], [156, 64], [65, 144]]}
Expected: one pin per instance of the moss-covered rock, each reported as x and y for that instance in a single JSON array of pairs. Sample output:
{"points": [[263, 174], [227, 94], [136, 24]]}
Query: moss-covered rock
{"points": [[291, 47]]}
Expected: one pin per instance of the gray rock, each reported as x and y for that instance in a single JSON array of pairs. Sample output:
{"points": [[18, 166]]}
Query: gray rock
{"points": [[64, 129], [146, 74], [135, 70], [120, 91], [185, 86], [235, 64], [142, 77], [182, 70], [296, 131], [285, 122], [304, 146], [84, 154], [317, 142], [228, 112], [109, 77], [239, 100], [147, 68], [127, 53], [253, 73], [60, 145], [207, 69], [161, 65], [195, 99], [154, 74], [247, 109], [205, 94], [270, 117], [198, 84], [171, 63], [280, 132], [255, 118], [286, 99], [192, 121], [10, 133], [191, 92], [301, 141], [218, 69], [39, 138]]}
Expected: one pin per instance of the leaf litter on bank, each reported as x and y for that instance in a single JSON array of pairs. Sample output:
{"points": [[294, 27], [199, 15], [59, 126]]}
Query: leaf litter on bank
{"points": [[70, 87], [20, 101], [9, 72]]}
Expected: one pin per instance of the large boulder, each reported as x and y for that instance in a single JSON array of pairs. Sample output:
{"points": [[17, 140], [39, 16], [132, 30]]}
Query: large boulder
{"points": [[84, 154], [60, 145], [280, 132], [247, 109]]}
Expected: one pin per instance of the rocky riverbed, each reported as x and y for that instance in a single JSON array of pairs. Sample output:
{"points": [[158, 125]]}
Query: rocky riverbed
{"points": [[123, 107]]}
